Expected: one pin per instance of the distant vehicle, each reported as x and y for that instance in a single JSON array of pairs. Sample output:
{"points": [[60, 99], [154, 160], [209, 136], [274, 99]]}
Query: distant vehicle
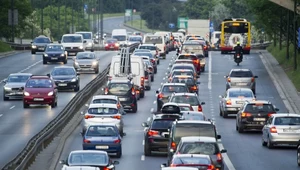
{"points": [[73, 43], [189, 81], [153, 49], [65, 78], [120, 35], [39, 44], [13, 85], [111, 44], [111, 99], [134, 39], [55, 53], [88, 37], [159, 41], [86, 61], [191, 98], [192, 160]]}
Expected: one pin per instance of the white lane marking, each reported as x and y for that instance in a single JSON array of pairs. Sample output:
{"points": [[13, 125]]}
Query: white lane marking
{"points": [[226, 158], [12, 107], [209, 71], [154, 102], [143, 157], [1, 115], [143, 143], [29, 67], [152, 110]]}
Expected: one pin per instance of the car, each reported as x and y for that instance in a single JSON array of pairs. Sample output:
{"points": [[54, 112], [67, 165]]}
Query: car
{"points": [[188, 80], [193, 57], [191, 98], [183, 72], [137, 33], [103, 137], [281, 128], [159, 41], [181, 66], [149, 68], [199, 161], [177, 168], [73, 43], [298, 154], [13, 85], [87, 158], [134, 39], [166, 91], [233, 99], [81, 168], [39, 89], [201, 145], [192, 47], [184, 61], [112, 44], [55, 53], [254, 114], [86, 61], [204, 44], [153, 49], [185, 107], [241, 78], [151, 58], [65, 78], [88, 37], [183, 128], [126, 92], [39, 44], [193, 115], [187, 37], [111, 99]]}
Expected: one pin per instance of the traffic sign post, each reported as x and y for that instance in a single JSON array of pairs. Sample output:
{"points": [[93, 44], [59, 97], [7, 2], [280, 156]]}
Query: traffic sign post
{"points": [[128, 13], [171, 26], [211, 29], [182, 22]]}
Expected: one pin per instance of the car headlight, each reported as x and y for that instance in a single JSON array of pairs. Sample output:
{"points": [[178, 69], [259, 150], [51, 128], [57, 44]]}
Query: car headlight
{"points": [[46, 55], [50, 93], [81, 47], [95, 63], [62, 55], [34, 46], [7, 88], [76, 63], [117, 45], [73, 80], [26, 93], [90, 44], [106, 45]]}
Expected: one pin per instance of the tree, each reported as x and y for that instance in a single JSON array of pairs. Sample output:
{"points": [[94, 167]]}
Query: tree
{"points": [[238, 8], [219, 13], [198, 9]]}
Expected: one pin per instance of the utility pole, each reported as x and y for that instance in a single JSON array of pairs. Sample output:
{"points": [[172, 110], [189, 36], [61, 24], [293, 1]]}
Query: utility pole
{"points": [[142, 5], [58, 22], [295, 35], [72, 17], [12, 21], [101, 10], [288, 36], [99, 36], [65, 25]]}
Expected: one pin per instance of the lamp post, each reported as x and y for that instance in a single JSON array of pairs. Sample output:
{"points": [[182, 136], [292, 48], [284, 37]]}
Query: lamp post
{"points": [[65, 25], [101, 15], [72, 17]]}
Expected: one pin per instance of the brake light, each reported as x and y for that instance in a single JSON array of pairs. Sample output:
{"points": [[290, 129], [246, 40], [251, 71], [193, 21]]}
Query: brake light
{"points": [[270, 114], [194, 88], [244, 114], [88, 116], [172, 165], [117, 141], [118, 105], [252, 79], [173, 145], [132, 91], [160, 96], [86, 141], [105, 168], [152, 132], [153, 60], [273, 130], [228, 79], [210, 167], [219, 157], [106, 45], [196, 61], [228, 102], [116, 117], [142, 81], [106, 91], [205, 47], [199, 108]]}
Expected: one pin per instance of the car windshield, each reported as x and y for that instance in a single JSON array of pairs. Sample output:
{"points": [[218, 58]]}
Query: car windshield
{"points": [[174, 88], [191, 116], [183, 73], [63, 72], [102, 111], [241, 74], [135, 39], [85, 159], [185, 108], [39, 83], [240, 93], [72, 39], [199, 148], [192, 100], [119, 37], [183, 67], [186, 80], [154, 40], [162, 124], [118, 88], [85, 56], [101, 131], [111, 41], [17, 78], [190, 161], [258, 108], [86, 35], [108, 101], [58, 48], [192, 48], [148, 47], [188, 57], [144, 54], [287, 120], [41, 40], [198, 129]]}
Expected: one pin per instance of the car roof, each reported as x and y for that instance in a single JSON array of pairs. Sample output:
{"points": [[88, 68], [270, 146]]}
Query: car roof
{"points": [[20, 74], [183, 76], [72, 35], [103, 124], [192, 112], [174, 84], [240, 69], [184, 94], [105, 97], [183, 104], [193, 122], [183, 64], [120, 80], [198, 139], [286, 114], [183, 70], [39, 77], [135, 36], [89, 151], [184, 60], [103, 105], [192, 155], [82, 32], [187, 54], [162, 115]]}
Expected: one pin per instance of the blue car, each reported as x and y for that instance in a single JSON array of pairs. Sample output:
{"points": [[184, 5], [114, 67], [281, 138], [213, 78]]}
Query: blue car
{"points": [[55, 53], [103, 137]]}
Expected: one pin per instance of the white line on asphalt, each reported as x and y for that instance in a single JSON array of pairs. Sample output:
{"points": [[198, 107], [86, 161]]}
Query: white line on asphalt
{"points": [[152, 110], [209, 71], [1, 115], [12, 107], [29, 67], [143, 143], [143, 157], [154, 102], [226, 158]]}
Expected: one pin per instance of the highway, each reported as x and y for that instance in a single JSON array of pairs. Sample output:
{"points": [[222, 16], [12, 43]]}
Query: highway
{"points": [[245, 151]]}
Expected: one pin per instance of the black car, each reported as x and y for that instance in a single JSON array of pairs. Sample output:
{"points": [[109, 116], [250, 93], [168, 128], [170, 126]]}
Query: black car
{"points": [[253, 115], [55, 53], [151, 57], [66, 78], [298, 154], [189, 81], [126, 91], [157, 129], [39, 44]]}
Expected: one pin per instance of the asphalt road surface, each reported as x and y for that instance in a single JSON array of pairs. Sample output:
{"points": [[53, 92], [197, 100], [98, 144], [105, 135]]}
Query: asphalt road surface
{"points": [[245, 151]]}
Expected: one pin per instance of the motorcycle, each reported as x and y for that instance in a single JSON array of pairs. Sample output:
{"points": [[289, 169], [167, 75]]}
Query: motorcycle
{"points": [[238, 58]]}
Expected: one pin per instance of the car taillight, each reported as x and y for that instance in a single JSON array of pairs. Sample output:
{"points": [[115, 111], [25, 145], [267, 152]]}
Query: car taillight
{"points": [[252, 79], [194, 88], [116, 117], [160, 95], [199, 108], [86, 141], [245, 114], [219, 157], [173, 145], [152, 132], [88, 116], [142, 81], [196, 61], [172, 165], [210, 167], [205, 47], [153, 60], [273, 130], [117, 141], [146, 78], [270, 114], [228, 102], [228, 79], [133, 91], [106, 91], [106, 45], [105, 168]]}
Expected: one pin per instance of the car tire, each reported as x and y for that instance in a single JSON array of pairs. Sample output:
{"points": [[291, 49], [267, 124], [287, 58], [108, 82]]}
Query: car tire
{"points": [[147, 151], [225, 114], [134, 110], [33, 52], [142, 94], [5, 98], [298, 157], [221, 112], [44, 62], [25, 105], [119, 154], [53, 104], [76, 89], [263, 143], [240, 129], [158, 62], [66, 61], [92, 50], [152, 78], [155, 70], [270, 145], [97, 71]]}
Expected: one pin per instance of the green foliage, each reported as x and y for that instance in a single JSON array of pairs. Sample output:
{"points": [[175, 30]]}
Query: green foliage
{"points": [[4, 47], [198, 9]]}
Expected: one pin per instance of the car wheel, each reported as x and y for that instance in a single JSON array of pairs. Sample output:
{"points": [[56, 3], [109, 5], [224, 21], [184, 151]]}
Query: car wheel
{"points": [[44, 62], [76, 89], [134, 110], [152, 78], [119, 154], [225, 114], [263, 143], [142, 94], [221, 112], [66, 61], [158, 62], [25, 105], [92, 50], [5, 98], [53, 105], [33, 52], [96, 71], [298, 157], [147, 151], [269, 144], [240, 129], [155, 70]]}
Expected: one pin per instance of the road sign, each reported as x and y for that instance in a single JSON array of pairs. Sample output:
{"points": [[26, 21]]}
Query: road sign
{"points": [[128, 12], [182, 22], [13, 17], [211, 26], [85, 6], [171, 25]]}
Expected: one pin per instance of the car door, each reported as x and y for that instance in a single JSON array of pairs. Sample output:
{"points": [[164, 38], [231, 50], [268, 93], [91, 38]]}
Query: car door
{"points": [[265, 130], [223, 101]]}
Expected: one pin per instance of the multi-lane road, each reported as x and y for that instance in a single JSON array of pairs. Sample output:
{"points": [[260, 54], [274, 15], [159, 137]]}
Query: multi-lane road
{"points": [[245, 151]]}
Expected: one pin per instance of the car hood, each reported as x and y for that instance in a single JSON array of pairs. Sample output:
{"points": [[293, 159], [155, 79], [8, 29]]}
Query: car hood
{"points": [[85, 62], [40, 44], [72, 44], [101, 138], [38, 90], [15, 85], [67, 77]]}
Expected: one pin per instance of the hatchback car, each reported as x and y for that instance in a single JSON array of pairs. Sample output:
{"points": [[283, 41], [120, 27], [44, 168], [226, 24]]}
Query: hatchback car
{"points": [[13, 85], [193, 57], [183, 72], [83, 158], [134, 39], [233, 99], [112, 44], [109, 99], [153, 49], [66, 78], [241, 78], [55, 53], [151, 58], [39, 90], [86, 61], [191, 98], [254, 114], [39, 44], [189, 81], [200, 161], [103, 137]]}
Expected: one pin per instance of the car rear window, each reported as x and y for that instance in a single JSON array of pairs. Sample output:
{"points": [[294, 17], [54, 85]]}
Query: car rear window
{"points": [[39, 83], [148, 54], [189, 129], [240, 94], [205, 148], [186, 80], [259, 108], [288, 120], [102, 111], [108, 101], [190, 160], [174, 88], [162, 123], [184, 73], [184, 67], [148, 47], [192, 100], [241, 74], [118, 88], [191, 57], [185, 108], [191, 116], [101, 131]]}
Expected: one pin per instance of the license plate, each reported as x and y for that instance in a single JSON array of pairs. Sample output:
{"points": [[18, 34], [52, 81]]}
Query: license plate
{"points": [[19, 92], [259, 119], [242, 84], [61, 84], [289, 130], [38, 99], [54, 58], [122, 99], [240, 102], [41, 48], [101, 147], [72, 53], [111, 47]]}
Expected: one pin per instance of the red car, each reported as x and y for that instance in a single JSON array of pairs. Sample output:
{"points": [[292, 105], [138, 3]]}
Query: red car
{"points": [[39, 90], [111, 44]]}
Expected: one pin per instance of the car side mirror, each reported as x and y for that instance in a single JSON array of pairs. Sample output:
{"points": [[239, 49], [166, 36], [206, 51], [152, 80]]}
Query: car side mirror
{"points": [[59, 42], [116, 162], [276, 109], [124, 134], [163, 165], [202, 103], [145, 124], [225, 77], [218, 136], [62, 162], [198, 82], [4, 81], [255, 76], [84, 41], [78, 73], [156, 91], [223, 151], [221, 97], [22, 88]]}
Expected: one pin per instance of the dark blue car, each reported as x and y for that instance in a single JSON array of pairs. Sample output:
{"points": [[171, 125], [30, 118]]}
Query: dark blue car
{"points": [[55, 53], [103, 137]]}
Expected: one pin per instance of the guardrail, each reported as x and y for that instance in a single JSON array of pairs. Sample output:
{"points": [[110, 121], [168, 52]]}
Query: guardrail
{"points": [[44, 137]]}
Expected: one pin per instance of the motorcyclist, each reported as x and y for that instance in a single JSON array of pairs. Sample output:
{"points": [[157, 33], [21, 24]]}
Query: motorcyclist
{"points": [[238, 49]]}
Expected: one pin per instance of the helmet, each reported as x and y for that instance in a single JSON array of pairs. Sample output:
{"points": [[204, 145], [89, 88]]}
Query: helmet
{"points": [[238, 43]]}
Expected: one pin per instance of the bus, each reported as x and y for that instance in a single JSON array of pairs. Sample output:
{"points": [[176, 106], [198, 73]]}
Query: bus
{"points": [[233, 31]]}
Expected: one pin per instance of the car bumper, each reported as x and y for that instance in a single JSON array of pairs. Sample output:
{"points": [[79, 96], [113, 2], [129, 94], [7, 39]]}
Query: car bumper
{"points": [[38, 49], [54, 59], [13, 94], [66, 85], [128, 105], [111, 48], [284, 139], [86, 124], [158, 144], [43, 100], [252, 125], [112, 148], [86, 68], [231, 110]]}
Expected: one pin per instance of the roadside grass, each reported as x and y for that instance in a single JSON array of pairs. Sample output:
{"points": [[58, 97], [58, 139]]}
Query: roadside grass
{"points": [[287, 64], [137, 25], [4, 47], [109, 15]]}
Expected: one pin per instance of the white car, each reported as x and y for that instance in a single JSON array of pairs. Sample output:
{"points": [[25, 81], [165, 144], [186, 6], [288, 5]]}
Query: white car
{"points": [[109, 99], [73, 43], [88, 37]]}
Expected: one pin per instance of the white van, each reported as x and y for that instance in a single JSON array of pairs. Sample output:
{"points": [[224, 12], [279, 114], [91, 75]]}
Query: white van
{"points": [[215, 37], [88, 37], [137, 70], [159, 41], [121, 35], [73, 43]]}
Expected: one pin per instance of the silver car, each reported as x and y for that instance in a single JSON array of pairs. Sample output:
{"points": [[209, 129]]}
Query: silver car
{"points": [[241, 78], [13, 84], [109, 99], [86, 61], [103, 114], [193, 115], [281, 128], [149, 68], [233, 99]]}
